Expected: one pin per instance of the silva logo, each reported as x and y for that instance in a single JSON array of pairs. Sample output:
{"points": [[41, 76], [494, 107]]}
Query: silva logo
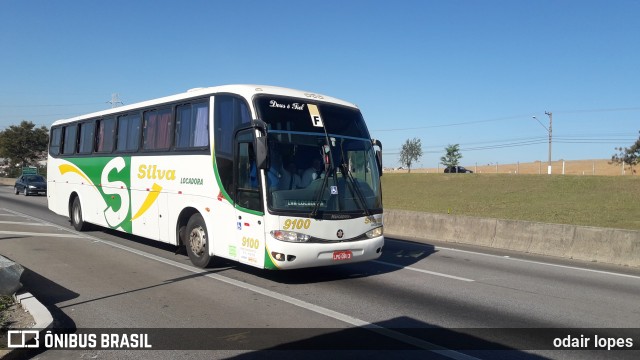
{"points": [[115, 188], [152, 172], [112, 178]]}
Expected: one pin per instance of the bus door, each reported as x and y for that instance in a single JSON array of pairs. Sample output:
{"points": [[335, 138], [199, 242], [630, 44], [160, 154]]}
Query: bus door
{"points": [[250, 237]]}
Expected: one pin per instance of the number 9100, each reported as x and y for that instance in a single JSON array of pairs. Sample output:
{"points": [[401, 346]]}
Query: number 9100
{"points": [[298, 224]]}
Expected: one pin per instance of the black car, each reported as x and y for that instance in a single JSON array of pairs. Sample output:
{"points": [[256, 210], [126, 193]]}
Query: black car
{"points": [[457, 169], [30, 184]]}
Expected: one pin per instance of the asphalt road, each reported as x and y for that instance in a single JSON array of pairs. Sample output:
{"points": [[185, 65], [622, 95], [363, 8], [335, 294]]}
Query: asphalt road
{"points": [[464, 298]]}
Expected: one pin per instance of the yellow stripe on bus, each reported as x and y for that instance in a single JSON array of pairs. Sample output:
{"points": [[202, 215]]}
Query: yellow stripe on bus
{"points": [[151, 198], [65, 168]]}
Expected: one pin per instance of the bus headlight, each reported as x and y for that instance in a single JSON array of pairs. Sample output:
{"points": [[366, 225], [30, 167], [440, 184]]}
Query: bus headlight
{"points": [[374, 232], [290, 236]]}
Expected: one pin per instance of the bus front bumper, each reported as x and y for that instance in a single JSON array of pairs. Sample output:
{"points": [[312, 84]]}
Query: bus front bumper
{"points": [[286, 255]]}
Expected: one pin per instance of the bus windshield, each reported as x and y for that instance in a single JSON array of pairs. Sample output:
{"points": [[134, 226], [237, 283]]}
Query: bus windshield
{"points": [[321, 159]]}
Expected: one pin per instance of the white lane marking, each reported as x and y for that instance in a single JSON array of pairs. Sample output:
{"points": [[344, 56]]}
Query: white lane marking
{"points": [[23, 233], [22, 223], [532, 261], [272, 294], [576, 268], [423, 271]]}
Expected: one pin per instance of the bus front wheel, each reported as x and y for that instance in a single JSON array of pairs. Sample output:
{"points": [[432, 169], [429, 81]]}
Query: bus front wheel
{"points": [[76, 215], [197, 241]]}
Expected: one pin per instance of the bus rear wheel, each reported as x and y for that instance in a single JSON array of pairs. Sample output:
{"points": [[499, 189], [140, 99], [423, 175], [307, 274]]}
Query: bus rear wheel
{"points": [[75, 214], [197, 242]]}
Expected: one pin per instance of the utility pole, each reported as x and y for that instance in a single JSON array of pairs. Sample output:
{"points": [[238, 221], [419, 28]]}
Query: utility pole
{"points": [[550, 131], [115, 101], [550, 138]]}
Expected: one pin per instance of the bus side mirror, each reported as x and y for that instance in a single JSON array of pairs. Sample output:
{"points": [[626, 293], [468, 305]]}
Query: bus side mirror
{"points": [[378, 154], [261, 152]]}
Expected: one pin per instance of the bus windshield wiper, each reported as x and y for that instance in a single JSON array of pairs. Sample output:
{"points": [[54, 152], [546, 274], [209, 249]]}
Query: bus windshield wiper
{"points": [[326, 153], [318, 198], [355, 188]]}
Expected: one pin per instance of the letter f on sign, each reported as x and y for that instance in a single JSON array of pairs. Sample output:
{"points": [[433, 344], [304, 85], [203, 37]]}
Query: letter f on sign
{"points": [[316, 120]]}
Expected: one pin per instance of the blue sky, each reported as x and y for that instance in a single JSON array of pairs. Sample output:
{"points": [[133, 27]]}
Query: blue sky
{"points": [[467, 72]]}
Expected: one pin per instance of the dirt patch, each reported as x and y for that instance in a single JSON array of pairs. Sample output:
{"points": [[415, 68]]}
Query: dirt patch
{"points": [[14, 317]]}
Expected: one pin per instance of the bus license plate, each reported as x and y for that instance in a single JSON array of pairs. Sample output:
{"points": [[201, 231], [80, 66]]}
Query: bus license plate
{"points": [[342, 255]]}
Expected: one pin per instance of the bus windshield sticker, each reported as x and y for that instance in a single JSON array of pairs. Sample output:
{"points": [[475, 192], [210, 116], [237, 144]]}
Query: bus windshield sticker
{"points": [[316, 120], [292, 106], [304, 203]]}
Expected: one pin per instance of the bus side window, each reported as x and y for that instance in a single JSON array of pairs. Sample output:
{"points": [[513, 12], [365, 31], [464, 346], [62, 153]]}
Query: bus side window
{"points": [[56, 140], [128, 138], [229, 113], [69, 144], [85, 143], [104, 135], [192, 126], [157, 129], [248, 194]]}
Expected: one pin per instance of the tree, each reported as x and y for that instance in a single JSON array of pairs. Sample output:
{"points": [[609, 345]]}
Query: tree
{"points": [[452, 156], [630, 155], [24, 144], [411, 152]]}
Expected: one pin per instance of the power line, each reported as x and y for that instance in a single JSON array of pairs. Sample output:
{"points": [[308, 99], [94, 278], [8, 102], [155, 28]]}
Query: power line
{"points": [[598, 110], [532, 141], [46, 105], [585, 138], [453, 124], [492, 141], [115, 101], [28, 116], [506, 118], [507, 145]]}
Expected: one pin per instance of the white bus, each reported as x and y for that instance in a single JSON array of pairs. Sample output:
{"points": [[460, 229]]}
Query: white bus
{"points": [[270, 177]]}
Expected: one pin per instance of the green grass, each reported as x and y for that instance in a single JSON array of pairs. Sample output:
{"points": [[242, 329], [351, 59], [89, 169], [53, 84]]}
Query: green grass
{"points": [[5, 303], [603, 201]]}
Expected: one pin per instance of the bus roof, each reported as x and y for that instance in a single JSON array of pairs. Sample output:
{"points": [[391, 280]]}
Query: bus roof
{"points": [[245, 90]]}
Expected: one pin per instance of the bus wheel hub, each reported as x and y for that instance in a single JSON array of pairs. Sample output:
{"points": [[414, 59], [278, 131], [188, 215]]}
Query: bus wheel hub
{"points": [[197, 241]]}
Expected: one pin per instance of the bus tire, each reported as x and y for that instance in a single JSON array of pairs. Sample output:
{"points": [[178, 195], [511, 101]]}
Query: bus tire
{"points": [[75, 214], [197, 241]]}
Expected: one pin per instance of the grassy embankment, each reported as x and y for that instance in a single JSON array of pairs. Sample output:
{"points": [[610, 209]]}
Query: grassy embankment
{"points": [[603, 201]]}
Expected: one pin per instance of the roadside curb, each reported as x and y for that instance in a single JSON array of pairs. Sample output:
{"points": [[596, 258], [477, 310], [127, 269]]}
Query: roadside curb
{"points": [[42, 318], [7, 181], [41, 315]]}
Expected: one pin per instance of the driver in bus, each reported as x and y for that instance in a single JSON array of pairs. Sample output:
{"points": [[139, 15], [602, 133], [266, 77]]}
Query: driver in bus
{"points": [[290, 179], [312, 173]]}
